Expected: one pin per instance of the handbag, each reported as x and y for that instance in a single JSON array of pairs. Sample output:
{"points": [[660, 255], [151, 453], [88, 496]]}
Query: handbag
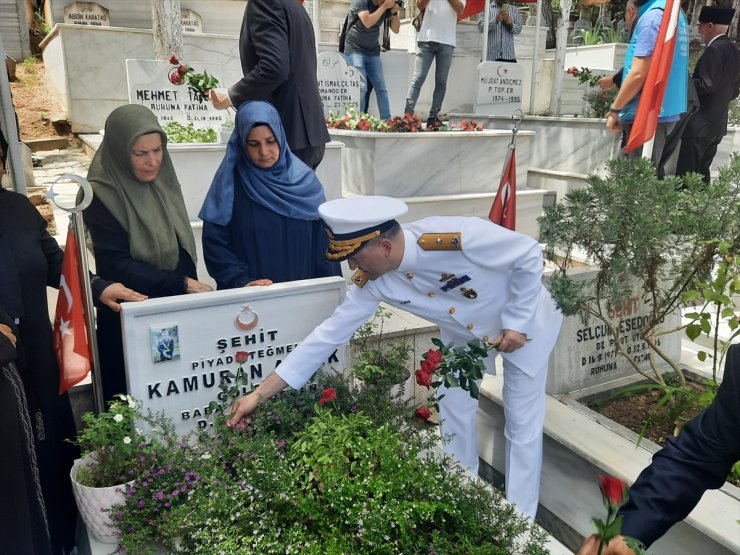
{"points": [[418, 20]]}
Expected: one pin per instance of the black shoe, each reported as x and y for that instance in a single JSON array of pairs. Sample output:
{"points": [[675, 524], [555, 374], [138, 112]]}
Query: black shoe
{"points": [[434, 123]]}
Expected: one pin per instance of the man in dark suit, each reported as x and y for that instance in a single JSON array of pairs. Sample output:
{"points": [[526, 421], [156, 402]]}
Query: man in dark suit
{"points": [[716, 80], [700, 458], [278, 57]]}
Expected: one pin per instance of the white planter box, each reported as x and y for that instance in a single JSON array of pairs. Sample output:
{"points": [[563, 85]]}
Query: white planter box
{"points": [[406, 165], [580, 445]]}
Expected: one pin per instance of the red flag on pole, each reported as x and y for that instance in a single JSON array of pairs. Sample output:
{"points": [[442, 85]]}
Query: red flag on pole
{"points": [[473, 7], [503, 209], [70, 327], [653, 90]]}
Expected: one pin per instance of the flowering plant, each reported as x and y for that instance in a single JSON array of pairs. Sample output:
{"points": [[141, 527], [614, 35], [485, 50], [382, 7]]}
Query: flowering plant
{"points": [[114, 444], [466, 125], [354, 119], [198, 83], [614, 493], [599, 100]]}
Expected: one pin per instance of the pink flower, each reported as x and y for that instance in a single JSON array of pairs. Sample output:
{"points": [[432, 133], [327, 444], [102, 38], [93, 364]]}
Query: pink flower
{"points": [[327, 396]]}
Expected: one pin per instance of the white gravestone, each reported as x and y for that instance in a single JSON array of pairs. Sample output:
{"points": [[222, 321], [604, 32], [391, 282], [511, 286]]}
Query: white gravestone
{"points": [[179, 349], [149, 85], [191, 21], [86, 13], [339, 84], [500, 86], [585, 355]]}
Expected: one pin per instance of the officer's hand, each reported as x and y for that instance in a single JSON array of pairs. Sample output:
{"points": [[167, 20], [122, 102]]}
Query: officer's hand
{"points": [[616, 546], [243, 408], [220, 99], [509, 341], [258, 282]]}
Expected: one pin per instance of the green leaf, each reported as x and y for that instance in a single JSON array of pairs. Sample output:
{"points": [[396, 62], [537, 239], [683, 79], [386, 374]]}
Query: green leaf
{"points": [[451, 381], [701, 355]]}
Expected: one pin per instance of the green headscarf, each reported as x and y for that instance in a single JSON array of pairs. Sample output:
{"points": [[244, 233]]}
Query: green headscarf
{"points": [[154, 213]]}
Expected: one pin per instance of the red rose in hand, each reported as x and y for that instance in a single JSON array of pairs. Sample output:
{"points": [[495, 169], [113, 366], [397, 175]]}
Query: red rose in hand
{"points": [[174, 61], [182, 69], [434, 357], [424, 378], [327, 396], [613, 489], [175, 79], [423, 413], [241, 357]]}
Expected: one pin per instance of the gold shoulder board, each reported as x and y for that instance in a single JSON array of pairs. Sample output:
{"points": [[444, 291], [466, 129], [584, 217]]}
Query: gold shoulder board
{"points": [[359, 278], [441, 241]]}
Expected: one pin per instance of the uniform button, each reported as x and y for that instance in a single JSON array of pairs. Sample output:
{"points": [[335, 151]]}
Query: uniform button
{"points": [[431, 293], [470, 326], [452, 310], [410, 275]]}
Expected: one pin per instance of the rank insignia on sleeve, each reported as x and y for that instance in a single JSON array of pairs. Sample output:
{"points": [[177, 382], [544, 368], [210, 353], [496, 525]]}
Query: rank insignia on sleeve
{"points": [[441, 241], [359, 278]]}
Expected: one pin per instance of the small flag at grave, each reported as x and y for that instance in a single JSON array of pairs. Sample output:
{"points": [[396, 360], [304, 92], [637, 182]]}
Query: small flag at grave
{"points": [[70, 326], [503, 209]]}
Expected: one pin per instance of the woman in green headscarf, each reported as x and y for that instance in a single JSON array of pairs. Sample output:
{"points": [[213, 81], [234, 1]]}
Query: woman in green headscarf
{"points": [[139, 227]]}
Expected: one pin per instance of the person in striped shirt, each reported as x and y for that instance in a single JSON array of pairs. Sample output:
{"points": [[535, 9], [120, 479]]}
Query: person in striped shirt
{"points": [[504, 22]]}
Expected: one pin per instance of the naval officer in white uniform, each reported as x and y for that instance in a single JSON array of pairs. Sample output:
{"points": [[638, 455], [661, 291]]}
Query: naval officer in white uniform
{"points": [[471, 277]]}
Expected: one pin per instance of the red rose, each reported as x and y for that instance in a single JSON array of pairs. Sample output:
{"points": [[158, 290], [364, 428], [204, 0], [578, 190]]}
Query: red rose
{"points": [[613, 489], [175, 79], [428, 367], [327, 396], [182, 69], [241, 357], [424, 378], [174, 61], [434, 357], [423, 413], [571, 70]]}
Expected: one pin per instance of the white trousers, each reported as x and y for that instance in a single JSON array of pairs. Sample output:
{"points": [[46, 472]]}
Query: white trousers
{"points": [[524, 411]]}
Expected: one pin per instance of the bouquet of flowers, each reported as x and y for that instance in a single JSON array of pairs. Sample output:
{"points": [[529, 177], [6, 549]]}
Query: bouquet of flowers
{"points": [[198, 83]]}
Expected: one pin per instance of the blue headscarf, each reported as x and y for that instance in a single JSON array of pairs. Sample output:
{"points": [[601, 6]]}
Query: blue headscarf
{"points": [[289, 188]]}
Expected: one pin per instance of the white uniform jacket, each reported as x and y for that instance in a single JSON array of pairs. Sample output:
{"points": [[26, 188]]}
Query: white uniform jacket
{"points": [[494, 282]]}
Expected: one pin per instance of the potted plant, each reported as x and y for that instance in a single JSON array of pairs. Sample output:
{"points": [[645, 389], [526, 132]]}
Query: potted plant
{"points": [[114, 451]]}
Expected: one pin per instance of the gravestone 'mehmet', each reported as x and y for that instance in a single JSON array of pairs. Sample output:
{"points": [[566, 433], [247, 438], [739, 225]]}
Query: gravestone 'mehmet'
{"points": [[339, 85], [500, 87], [178, 350], [585, 354], [86, 13], [149, 85]]}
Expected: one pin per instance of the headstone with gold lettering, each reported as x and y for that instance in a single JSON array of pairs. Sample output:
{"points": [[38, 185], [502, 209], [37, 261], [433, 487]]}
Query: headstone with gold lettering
{"points": [[86, 13], [585, 354], [339, 84], [149, 85], [179, 349], [191, 21], [500, 87]]}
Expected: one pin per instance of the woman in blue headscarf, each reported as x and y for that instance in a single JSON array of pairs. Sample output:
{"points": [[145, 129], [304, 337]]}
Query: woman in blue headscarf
{"points": [[260, 216]]}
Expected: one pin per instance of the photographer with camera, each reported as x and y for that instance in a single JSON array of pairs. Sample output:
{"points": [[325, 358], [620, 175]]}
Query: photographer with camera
{"points": [[435, 41], [504, 22], [362, 50]]}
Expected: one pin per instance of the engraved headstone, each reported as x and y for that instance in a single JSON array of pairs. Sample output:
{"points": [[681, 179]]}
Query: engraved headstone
{"points": [[339, 84], [585, 354], [191, 21], [149, 85], [178, 350], [500, 86], [86, 13]]}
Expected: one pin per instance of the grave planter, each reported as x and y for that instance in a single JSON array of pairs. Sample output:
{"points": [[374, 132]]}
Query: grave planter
{"points": [[579, 445]]}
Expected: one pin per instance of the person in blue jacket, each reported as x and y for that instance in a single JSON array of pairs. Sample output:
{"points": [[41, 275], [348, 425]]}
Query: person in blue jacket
{"points": [[700, 458], [260, 217]]}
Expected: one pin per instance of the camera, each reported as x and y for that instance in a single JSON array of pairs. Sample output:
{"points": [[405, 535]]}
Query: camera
{"points": [[401, 4]]}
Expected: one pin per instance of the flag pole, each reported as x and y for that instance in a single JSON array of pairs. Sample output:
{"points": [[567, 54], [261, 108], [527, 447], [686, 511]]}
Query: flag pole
{"points": [[78, 229], [92, 338]]}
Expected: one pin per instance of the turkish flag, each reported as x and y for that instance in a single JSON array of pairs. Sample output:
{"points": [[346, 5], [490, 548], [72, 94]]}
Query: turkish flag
{"points": [[473, 7], [653, 90], [70, 327], [503, 209]]}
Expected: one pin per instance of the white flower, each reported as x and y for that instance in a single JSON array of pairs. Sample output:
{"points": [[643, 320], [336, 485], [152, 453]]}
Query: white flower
{"points": [[205, 456], [127, 440], [139, 432], [118, 418]]}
